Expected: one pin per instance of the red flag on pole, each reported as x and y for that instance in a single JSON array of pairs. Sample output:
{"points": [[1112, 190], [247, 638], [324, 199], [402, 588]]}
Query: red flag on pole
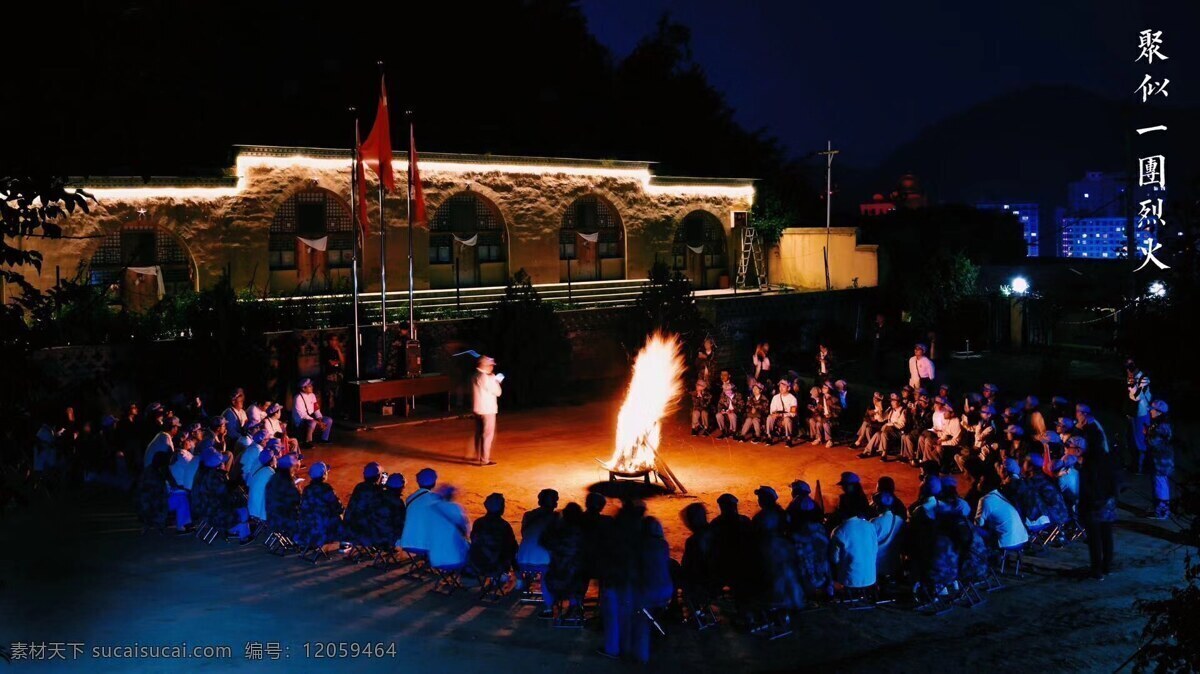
{"points": [[416, 193], [377, 148]]}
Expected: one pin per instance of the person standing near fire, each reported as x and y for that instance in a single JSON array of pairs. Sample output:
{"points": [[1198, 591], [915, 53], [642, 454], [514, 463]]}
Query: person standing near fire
{"points": [[486, 385]]}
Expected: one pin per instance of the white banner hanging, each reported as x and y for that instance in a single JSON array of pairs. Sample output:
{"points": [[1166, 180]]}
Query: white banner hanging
{"points": [[699, 250], [316, 244], [590, 238], [467, 242], [154, 271]]}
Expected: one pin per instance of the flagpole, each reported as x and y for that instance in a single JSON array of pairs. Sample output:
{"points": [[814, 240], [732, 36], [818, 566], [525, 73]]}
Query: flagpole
{"points": [[354, 187], [412, 328], [382, 264]]}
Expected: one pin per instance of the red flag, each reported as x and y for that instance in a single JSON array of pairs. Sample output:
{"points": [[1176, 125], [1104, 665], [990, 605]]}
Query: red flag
{"points": [[377, 148], [416, 193]]}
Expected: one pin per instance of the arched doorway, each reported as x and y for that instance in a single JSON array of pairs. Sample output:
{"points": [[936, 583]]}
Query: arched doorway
{"points": [[142, 263], [467, 229], [591, 243], [311, 241], [699, 250]]}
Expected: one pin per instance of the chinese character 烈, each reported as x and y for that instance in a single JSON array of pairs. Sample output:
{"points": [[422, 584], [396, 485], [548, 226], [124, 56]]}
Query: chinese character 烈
{"points": [[1150, 213]]}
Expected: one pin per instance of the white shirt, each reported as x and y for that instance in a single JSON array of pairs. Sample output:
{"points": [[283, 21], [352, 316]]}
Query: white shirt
{"points": [[783, 403], [951, 432], [184, 469], [161, 443], [888, 529], [249, 461], [421, 512], [1141, 395], [918, 370], [895, 417], [272, 426], [1001, 519], [854, 551], [235, 421], [305, 407], [255, 415], [939, 421], [256, 501], [761, 363], [487, 390]]}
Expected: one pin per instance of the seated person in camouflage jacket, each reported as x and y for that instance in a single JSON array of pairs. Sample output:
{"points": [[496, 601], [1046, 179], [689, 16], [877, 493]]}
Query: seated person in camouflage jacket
{"points": [[320, 511]]}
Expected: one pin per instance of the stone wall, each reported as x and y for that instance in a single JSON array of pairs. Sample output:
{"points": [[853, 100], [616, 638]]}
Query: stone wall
{"points": [[225, 227]]}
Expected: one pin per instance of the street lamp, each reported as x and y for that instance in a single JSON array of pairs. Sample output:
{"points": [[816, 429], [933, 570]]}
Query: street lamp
{"points": [[1020, 285]]}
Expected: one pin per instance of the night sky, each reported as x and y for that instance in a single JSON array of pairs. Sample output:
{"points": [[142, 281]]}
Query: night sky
{"points": [[870, 75]]}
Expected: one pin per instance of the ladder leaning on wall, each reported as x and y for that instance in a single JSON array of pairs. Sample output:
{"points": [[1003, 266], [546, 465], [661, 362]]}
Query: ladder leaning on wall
{"points": [[751, 251]]}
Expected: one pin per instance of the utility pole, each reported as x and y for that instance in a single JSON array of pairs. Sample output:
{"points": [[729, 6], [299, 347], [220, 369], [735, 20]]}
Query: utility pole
{"points": [[829, 152]]}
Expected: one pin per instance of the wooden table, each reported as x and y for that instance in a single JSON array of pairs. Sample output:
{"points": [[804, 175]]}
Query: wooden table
{"points": [[375, 390]]}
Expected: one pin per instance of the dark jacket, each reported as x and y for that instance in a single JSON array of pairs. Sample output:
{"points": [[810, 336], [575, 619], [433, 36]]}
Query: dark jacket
{"points": [[216, 500], [397, 511], [283, 503], [320, 515], [368, 519], [493, 545], [566, 576]]}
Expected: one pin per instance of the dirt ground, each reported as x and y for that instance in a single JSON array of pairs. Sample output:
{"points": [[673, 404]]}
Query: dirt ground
{"points": [[75, 573]]}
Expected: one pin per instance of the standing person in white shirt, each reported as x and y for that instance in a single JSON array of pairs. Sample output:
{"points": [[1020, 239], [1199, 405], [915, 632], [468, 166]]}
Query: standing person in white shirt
{"points": [[920, 369], [762, 366], [486, 384], [782, 413], [306, 412]]}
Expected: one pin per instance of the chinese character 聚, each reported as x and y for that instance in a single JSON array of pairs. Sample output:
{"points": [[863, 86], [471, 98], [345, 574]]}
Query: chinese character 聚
{"points": [[1149, 46]]}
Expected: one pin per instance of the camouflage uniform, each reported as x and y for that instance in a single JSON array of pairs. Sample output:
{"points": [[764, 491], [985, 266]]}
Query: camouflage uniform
{"points": [[320, 515], [729, 408], [812, 559], [397, 510], [214, 499], [493, 546], [1049, 498], [701, 405], [283, 503], [756, 410], [152, 498], [368, 519]]}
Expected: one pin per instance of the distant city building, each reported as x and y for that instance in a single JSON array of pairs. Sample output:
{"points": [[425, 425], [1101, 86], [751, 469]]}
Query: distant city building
{"points": [[877, 206], [1094, 238], [1027, 214], [1098, 195], [1093, 225]]}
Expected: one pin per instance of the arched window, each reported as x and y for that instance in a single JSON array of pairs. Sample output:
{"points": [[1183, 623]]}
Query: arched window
{"points": [[590, 215], [464, 216], [312, 214], [147, 250], [699, 239]]}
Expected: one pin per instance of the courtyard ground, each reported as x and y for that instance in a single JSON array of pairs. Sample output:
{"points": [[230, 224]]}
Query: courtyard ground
{"points": [[79, 570]]}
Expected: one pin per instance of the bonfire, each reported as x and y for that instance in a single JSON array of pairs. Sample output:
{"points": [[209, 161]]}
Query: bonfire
{"points": [[654, 393]]}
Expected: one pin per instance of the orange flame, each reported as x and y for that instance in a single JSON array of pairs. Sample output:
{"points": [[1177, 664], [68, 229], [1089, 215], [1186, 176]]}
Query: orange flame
{"points": [[653, 393]]}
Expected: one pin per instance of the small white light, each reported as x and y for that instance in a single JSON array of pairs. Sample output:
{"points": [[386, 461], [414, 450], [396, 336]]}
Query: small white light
{"points": [[1157, 289], [1020, 286], [1085, 195]]}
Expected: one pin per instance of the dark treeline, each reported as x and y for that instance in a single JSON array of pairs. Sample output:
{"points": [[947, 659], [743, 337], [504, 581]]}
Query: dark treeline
{"points": [[165, 88]]}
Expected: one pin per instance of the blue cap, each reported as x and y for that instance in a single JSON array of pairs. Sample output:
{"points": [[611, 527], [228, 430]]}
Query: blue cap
{"points": [[274, 444], [426, 478], [266, 456], [372, 470], [1036, 460], [849, 478], [287, 461], [261, 437], [1012, 467], [212, 458], [216, 422], [395, 481], [766, 492], [885, 499], [949, 483], [801, 486], [318, 470]]}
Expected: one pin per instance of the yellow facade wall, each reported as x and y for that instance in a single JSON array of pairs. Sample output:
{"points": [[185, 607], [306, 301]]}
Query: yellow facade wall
{"points": [[797, 260]]}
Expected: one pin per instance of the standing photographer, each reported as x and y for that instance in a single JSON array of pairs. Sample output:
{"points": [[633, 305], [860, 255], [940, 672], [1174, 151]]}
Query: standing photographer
{"points": [[1138, 386]]}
